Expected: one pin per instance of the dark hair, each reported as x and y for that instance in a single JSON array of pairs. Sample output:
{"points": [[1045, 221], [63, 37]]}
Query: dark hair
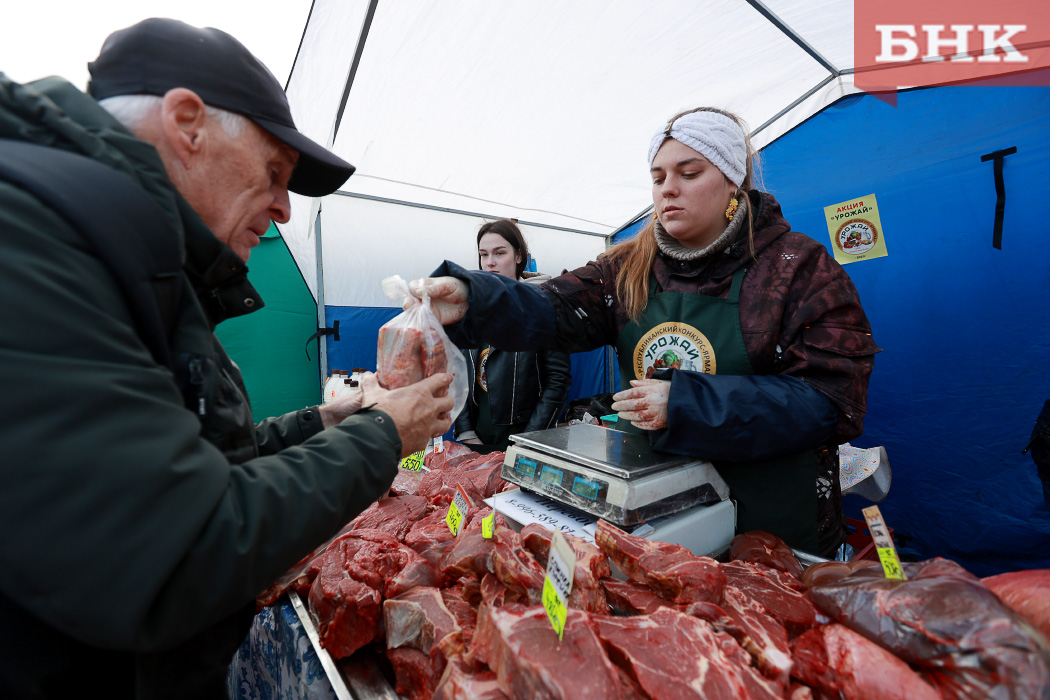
{"points": [[511, 234]]}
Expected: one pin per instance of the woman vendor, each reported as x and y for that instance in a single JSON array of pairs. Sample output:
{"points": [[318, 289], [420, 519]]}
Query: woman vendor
{"points": [[510, 392], [739, 341]]}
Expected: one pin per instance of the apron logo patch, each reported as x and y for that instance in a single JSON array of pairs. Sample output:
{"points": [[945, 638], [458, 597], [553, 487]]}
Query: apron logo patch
{"points": [[857, 237], [673, 346]]}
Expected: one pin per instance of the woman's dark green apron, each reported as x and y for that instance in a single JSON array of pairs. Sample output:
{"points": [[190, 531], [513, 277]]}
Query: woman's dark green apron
{"points": [[703, 334]]}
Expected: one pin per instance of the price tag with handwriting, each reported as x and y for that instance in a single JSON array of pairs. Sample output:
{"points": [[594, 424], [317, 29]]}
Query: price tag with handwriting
{"points": [[413, 462], [457, 511], [488, 524], [891, 563], [557, 584]]}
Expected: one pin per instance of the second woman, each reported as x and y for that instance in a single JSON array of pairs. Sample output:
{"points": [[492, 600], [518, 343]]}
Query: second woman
{"points": [[510, 392]]}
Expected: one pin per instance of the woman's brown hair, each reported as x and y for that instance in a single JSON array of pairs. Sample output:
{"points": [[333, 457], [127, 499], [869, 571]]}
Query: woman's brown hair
{"points": [[511, 234], [638, 254]]}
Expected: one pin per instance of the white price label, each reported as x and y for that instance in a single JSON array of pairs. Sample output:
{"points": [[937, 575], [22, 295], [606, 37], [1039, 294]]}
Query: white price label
{"points": [[557, 585]]}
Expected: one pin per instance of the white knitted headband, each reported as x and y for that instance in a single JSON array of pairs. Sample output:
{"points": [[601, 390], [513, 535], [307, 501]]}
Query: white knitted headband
{"points": [[714, 136]]}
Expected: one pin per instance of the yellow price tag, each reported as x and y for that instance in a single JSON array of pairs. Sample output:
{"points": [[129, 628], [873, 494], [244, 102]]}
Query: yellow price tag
{"points": [[413, 462], [891, 565], [457, 511], [488, 524], [556, 609]]}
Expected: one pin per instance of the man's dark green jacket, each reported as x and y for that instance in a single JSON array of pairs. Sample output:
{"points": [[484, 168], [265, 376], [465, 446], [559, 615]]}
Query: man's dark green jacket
{"points": [[129, 525]]}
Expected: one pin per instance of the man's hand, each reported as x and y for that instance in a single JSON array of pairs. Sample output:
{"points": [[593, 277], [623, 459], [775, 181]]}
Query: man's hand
{"points": [[339, 410], [644, 404], [419, 411], [448, 297]]}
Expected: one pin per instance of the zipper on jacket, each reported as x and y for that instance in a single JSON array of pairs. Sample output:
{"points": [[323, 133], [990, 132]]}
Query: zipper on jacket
{"points": [[513, 387], [196, 367]]}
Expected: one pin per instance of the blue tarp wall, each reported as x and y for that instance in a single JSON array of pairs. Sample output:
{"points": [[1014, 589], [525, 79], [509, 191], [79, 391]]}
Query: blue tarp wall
{"points": [[963, 327]]}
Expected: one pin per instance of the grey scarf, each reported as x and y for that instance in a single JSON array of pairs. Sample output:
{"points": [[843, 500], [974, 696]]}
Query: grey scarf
{"points": [[673, 249]]}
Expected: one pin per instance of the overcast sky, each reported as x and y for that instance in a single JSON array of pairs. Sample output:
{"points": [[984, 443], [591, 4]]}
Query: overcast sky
{"points": [[59, 37]]}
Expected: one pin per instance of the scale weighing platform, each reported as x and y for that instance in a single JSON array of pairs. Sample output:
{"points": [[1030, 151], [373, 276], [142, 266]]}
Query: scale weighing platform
{"points": [[610, 474]]}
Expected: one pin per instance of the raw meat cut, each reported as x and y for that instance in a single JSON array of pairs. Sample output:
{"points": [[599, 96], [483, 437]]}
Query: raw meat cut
{"points": [[782, 595], [760, 547], [470, 553], [673, 656], [636, 599], [413, 672], [591, 566], [1027, 593], [392, 514], [493, 595], [763, 638], [417, 619], [301, 576], [413, 570], [420, 621], [516, 568], [347, 614], [430, 537], [449, 449], [530, 662], [346, 611], [439, 487], [459, 683], [485, 471], [670, 570], [945, 621], [632, 598], [406, 483], [841, 663]]}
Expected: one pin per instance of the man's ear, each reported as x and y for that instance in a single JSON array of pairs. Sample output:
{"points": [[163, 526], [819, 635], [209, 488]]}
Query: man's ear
{"points": [[183, 117]]}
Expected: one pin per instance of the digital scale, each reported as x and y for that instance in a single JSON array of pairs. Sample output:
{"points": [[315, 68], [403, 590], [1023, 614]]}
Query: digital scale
{"points": [[610, 474]]}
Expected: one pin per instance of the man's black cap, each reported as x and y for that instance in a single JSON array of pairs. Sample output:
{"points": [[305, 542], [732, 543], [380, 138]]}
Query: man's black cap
{"points": [[156, 55]]}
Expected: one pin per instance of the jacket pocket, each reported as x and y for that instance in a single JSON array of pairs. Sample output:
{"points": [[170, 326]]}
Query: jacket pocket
{"points": [[847, 341]]}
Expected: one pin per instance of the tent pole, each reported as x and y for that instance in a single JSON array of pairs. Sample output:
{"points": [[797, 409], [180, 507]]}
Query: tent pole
{"points": [[322, 343], [362, 37]]}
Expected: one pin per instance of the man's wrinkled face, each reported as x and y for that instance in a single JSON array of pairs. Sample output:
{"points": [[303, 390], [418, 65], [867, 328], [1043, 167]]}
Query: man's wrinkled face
{"points": [[244, 186]]}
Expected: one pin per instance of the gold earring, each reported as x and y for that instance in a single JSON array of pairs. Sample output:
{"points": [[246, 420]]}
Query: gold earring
{"points": [[731, 209]]}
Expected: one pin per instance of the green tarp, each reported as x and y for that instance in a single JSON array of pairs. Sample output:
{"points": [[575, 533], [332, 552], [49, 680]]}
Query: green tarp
{"points": [[269, 345]]}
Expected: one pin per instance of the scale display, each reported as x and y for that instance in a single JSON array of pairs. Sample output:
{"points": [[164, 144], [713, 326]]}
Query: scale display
{"points": [[610, 474]]}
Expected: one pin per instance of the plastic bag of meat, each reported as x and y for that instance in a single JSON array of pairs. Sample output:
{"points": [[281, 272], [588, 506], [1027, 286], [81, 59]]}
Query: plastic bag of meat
{"points": [[947, 623], [413, 346]]}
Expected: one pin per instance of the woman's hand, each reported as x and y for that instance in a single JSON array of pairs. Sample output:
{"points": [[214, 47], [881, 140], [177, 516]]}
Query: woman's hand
{"points": [[448, 297], [644, 404]]}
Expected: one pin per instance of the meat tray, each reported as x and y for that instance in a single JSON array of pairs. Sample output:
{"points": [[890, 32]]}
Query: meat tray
{"points": [[353, 678]]}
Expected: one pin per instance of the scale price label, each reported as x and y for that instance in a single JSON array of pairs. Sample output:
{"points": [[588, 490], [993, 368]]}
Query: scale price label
{"points": [[891, 563], [488, 524], [413, 462], [457, 511], [557, 584]]}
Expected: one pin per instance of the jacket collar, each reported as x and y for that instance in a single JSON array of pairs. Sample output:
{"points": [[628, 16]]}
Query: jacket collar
{"points": [[769, 225]]}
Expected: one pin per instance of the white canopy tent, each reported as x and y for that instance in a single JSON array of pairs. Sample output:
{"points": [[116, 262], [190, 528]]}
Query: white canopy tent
{"points": [[540, 111]]}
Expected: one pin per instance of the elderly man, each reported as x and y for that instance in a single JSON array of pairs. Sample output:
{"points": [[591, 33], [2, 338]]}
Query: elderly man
{"points": [[141, 508]]}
